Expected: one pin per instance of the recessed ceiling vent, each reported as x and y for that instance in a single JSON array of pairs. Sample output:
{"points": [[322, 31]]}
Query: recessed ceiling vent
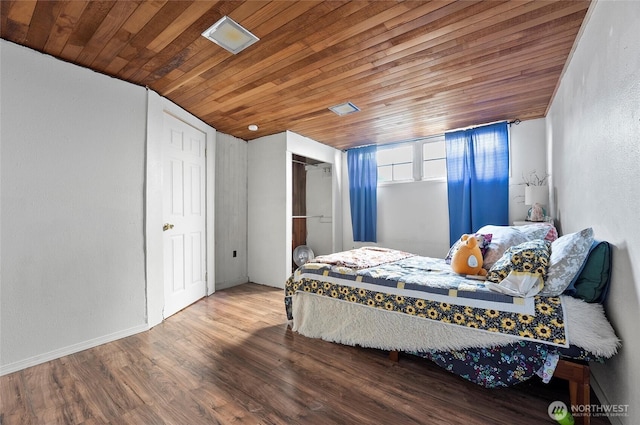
{"points": [[230, 35], [344, 108]]}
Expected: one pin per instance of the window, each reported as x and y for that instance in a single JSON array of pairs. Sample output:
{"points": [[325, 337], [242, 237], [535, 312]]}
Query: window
{"points": [[395, 163], [422, 159], [434, 159]]}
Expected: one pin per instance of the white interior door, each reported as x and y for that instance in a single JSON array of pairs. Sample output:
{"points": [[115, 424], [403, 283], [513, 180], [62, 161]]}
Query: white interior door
{"points": [[184, 236]]}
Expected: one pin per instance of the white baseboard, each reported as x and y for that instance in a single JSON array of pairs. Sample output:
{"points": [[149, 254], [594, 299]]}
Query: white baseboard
{"points": [[231, 283], [602, 398], [71, 349], [279, 285]]}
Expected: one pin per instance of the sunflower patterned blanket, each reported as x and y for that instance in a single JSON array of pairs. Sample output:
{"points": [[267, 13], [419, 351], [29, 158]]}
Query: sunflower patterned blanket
{"points": [[427, 289]]}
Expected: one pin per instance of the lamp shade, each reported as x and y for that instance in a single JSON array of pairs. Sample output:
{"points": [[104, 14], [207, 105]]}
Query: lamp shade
{"points": [[536, 195]]}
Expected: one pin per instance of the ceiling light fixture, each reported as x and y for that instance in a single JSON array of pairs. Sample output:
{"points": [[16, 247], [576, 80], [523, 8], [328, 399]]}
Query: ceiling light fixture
{"points": [[344, 108], [253, 127], [230, 35]]}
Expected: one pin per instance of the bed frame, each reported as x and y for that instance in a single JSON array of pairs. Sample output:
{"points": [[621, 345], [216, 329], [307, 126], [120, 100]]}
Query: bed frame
{"points": [[579, 388], [576, 373]]}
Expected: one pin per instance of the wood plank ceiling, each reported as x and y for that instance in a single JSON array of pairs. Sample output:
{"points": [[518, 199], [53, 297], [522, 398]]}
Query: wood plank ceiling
{"points": [[414, 68]]}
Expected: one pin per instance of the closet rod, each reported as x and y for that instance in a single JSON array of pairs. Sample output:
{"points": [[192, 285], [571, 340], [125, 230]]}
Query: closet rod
{"points": [[303, 163]]}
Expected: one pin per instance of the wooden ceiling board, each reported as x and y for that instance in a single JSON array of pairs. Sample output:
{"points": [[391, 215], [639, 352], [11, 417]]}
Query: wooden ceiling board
{"points": [[324, 76], [414, 68], [221, 72], [399, 81]]}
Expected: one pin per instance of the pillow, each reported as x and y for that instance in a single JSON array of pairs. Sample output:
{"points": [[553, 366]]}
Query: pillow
{"points": [[544, 230], [530, 257], [592, 282], [568, 253], [483, 242], [503, 237]]}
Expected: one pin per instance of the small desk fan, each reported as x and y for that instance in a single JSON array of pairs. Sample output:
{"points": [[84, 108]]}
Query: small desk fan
{"points": [[302, 254]]}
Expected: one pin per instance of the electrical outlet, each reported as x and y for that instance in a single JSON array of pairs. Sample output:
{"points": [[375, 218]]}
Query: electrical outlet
{"points": [[235, 254]]}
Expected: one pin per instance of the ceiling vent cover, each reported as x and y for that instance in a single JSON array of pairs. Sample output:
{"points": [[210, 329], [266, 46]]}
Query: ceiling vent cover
{"points": [[344, 108], [230, 35]]}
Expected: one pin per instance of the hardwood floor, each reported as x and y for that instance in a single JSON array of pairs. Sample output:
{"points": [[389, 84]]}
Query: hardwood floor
{"points": [[231, 359]]}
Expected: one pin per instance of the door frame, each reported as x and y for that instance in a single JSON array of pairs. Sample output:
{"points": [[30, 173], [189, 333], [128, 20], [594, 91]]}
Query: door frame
{"points": [[157, 107]]}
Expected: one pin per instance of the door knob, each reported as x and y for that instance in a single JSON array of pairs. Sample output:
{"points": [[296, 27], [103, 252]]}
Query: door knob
{"points": [[167, 226]]}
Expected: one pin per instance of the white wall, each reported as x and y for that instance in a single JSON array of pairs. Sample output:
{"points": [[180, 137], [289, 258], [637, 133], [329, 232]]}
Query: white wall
{"points": [[414, 216], [231, 211], [267, 225], [593, 129], [269, 231], [528, 152], [72, 185]]}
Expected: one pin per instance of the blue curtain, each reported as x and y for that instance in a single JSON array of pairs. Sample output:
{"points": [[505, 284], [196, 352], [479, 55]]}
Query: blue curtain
{"points": [[477, 178], [363, 185]]}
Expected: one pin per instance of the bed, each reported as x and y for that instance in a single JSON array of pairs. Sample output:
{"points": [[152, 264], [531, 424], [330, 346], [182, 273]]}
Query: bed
{"points": [[482, 330]]}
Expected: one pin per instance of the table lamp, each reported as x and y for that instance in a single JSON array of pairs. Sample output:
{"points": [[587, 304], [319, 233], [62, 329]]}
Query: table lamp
{"points": [[537, 197]]}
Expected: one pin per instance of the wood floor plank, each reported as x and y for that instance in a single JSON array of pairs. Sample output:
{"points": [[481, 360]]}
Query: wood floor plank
{"points": [[231, 358]]}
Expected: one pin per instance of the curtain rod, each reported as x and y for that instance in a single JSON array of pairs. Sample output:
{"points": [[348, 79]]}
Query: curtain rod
{"points": [[417, 139], [515, 121]]}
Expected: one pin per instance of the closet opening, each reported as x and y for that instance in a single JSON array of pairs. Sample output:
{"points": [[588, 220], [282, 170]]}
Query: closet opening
{"points": [[312, 221]]}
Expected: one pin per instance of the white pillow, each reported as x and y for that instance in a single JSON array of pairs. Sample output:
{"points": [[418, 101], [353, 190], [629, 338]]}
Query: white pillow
{"points": [[567, 255], [503, 237], [542, 230]]}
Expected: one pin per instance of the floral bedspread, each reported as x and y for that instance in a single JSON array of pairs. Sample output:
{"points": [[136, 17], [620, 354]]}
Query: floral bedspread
{"points": [[504, 366], [546, 326], [363, 258], [420, 277], [409, 292]]}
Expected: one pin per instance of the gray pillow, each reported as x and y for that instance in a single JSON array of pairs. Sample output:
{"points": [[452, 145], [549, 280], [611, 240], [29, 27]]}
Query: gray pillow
{"points": [[568, 253]]}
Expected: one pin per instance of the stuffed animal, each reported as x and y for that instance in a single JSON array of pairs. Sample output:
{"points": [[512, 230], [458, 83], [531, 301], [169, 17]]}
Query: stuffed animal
{"points": [[467, 259]]}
